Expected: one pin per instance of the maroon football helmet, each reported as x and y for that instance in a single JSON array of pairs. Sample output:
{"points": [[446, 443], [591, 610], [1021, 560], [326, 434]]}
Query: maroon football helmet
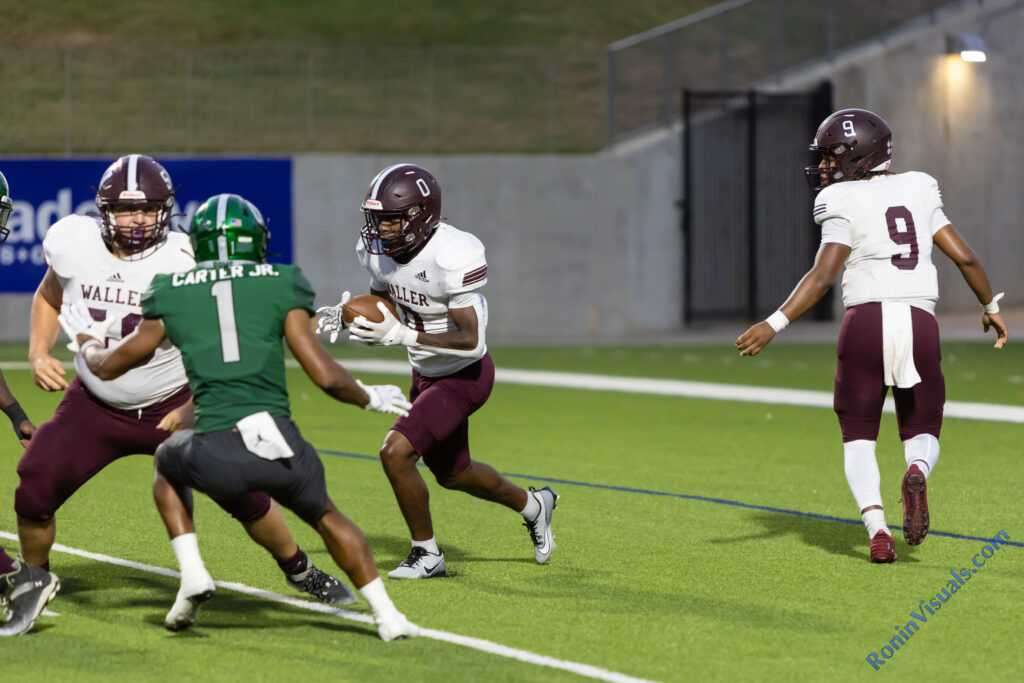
{"points": [[403, 192], [857, 140], [139, 182]]}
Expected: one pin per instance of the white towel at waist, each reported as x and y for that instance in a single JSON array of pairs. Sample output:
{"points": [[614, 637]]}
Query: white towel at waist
{"points": [[262, 437], [898, 345]]}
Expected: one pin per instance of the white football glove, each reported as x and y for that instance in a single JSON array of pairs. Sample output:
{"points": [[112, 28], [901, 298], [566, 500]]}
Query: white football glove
{"points": [[329, 317], [386, 398], [76, 319], [389, 332]]}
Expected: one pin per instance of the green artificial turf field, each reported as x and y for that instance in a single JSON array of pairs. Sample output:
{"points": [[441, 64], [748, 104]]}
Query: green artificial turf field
{"points": [[680, 556]]}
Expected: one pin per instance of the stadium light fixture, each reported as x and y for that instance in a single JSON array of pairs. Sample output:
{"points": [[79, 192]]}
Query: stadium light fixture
{"points": [[969, 46]]}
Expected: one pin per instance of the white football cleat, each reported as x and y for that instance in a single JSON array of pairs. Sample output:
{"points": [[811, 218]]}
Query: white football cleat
{"points": [[419, 564], [393, 625], [193, 593], [540, 528]]}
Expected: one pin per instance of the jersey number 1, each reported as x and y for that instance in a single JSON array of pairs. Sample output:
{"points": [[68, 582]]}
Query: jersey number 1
{"points": [[903, 238], [221, 291]]}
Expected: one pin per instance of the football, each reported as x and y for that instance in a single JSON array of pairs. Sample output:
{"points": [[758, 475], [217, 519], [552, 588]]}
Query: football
{"points": [[365, 305]]}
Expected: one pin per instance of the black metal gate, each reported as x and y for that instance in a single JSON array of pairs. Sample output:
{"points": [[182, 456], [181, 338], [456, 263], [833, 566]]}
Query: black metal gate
{"points": [[747, 226]]}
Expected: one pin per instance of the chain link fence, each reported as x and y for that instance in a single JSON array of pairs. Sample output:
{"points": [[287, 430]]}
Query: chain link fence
{"points": [[291, 99], [736, 44]]}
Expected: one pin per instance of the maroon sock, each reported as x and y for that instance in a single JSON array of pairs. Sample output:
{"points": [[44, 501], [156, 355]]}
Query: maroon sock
{"points": [[295, 564], [6, 562]]}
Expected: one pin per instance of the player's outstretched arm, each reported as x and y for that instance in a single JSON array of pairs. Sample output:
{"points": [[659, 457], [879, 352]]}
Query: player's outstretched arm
{"points": [[47, 372], [949, 241], [110, 363], [810, 289], [331, 377]]}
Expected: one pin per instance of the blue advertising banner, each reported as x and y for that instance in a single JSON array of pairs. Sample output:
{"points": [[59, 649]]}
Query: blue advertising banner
{"points": [[46, 190]]}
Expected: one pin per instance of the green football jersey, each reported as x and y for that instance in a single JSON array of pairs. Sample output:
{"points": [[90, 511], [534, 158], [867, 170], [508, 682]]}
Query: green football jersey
{"points": [[228, 321]]}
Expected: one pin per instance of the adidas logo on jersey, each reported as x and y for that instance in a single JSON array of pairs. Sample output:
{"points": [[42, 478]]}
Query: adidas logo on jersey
{"points": [[422, 275], [116, 277]]}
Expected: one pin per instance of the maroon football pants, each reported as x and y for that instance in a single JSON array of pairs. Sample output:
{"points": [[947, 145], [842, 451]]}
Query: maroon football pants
{"points": [[84, 436], [860, 386]]}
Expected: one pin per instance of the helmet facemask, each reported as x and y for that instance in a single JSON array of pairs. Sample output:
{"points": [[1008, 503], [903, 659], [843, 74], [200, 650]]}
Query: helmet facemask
{"points": [[135, 240], [6, 207], [415, 228]]}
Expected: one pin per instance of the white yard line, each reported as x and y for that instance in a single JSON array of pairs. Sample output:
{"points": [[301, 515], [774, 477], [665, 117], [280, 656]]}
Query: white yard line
{"points": [[992, 412], [466, 641]]}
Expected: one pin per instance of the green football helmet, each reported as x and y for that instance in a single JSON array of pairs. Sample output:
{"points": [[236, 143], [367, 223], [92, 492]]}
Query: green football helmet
{"points": [[6, 206], [227, 227]]}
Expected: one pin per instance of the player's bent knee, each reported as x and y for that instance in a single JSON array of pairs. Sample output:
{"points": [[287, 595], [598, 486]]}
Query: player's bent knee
{"points": [[32, 503], [396, 455], [249, 508], [457, 480], [448, 481], [168, 455]]}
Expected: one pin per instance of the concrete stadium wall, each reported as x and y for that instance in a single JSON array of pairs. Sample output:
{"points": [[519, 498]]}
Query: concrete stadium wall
{"points": [[578, 246]]}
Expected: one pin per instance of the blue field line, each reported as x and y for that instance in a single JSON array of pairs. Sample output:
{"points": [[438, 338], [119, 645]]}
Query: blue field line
{"points": [[686, 496]]}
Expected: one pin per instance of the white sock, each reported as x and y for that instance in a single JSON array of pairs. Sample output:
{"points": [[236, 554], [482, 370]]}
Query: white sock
{"points": [[186, 548], [862, 473], [532, 508], [377, 596], [922, 449], [430, 545], [874, 520]]}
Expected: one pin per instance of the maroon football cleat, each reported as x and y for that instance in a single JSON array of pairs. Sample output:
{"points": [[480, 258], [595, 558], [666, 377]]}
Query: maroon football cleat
{"points": [[883, 549], [915, 506]]}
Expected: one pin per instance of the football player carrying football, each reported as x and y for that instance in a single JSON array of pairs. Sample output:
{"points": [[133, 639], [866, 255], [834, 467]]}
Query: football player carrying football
{"points": [[883, 227], [228, 315], [24, 589], [108, 264], [433, 272]]}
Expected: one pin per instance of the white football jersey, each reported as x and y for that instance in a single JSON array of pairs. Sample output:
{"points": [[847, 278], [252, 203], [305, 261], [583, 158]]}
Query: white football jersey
{"points": [[888, 222], [445, 274], [111, 286]]}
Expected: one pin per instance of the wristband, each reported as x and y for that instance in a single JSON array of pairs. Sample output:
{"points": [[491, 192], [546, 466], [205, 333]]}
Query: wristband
{"points": [[993, 306], [17, 415], [778, 321], [88, 343]]}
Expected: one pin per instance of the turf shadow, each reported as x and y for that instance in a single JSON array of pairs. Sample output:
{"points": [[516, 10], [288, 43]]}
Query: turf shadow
{"points": [[118, 588], [836, 538]]}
